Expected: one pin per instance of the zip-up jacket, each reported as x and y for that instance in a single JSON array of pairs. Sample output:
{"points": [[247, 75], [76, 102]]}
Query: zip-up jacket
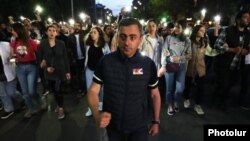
{"points": [[127, 82]]}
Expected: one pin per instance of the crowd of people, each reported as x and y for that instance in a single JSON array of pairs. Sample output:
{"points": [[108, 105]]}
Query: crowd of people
{"points": [[123, 69]]}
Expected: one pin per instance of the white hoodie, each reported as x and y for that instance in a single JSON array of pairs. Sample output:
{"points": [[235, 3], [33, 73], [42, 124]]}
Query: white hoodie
{"points": [[8, 67]]}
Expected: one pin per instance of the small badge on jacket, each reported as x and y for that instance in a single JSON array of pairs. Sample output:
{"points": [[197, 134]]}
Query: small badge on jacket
{"points": [[137, 71]]}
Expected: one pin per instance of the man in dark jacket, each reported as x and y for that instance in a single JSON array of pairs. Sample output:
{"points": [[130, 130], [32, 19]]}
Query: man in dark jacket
{"points": [[77, 48], [233, 45], [127, 78]]}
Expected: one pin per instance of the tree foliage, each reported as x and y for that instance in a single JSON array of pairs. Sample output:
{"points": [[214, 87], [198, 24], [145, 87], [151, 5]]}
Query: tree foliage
{"points": [[58, 9]]}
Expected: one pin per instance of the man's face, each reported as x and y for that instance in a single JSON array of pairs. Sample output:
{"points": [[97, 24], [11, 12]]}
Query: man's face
{"points": [[245, 19], [77, 27], [129, 39]]}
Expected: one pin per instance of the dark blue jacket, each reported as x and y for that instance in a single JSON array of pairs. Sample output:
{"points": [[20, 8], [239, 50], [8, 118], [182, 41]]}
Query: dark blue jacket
{"points": [[127, 82]]}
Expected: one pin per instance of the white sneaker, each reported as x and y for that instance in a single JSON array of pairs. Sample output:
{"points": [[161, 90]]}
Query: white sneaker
{"points": [[88, 113], [60, 114], [198, 110], [187, 103], [170, 110]]}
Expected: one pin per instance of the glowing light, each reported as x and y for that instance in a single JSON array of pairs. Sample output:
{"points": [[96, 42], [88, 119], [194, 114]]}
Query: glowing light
{"points": [[82, 16], [203, 12], [187, 31], [217, 18], [39, 9], [71, 21], [99, 21], [50, 20], [128, 8], [22, 18]]}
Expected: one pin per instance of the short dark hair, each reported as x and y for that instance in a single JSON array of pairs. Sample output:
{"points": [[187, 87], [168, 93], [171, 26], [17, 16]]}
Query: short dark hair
{"points": [[49, 26], [106, 26], [131, 21], [182, 23], [240, 15], [170, 25]]}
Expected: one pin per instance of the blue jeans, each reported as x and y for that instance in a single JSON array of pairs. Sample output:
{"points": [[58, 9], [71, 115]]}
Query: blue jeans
{"points": [[7, 93], [27, 76], [89, 77], [175, 83]]}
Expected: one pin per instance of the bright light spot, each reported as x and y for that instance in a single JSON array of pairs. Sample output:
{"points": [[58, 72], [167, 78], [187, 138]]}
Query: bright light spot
{"points": [[189, 19], [139, 2], [217, 18], [203, 12], [50, 20], [71, 21], [128, 8], [82, 16], [187, 31], [39, 9], [142, 21], [99, 21], [135, 7], [37, 41], [165, 24], [198, 22], [22, 18], [164, 19], [143, 53]]}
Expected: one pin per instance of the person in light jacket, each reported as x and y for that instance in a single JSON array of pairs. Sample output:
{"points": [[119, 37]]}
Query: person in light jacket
{"points": [[7, 81], [176, 49]]}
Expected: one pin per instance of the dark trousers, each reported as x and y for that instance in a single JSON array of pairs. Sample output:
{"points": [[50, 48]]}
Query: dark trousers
{"points": [[138, 135], [78, 69], [195, 86], [244, 99], [43, 80], [55, 87], [225, 79]]}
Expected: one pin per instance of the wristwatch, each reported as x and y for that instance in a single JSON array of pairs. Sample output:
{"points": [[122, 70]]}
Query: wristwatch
{"points": [[155, 121]]}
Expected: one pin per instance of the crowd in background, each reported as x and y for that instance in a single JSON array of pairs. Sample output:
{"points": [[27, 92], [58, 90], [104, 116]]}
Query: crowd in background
{"points": [[64, 58]]}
